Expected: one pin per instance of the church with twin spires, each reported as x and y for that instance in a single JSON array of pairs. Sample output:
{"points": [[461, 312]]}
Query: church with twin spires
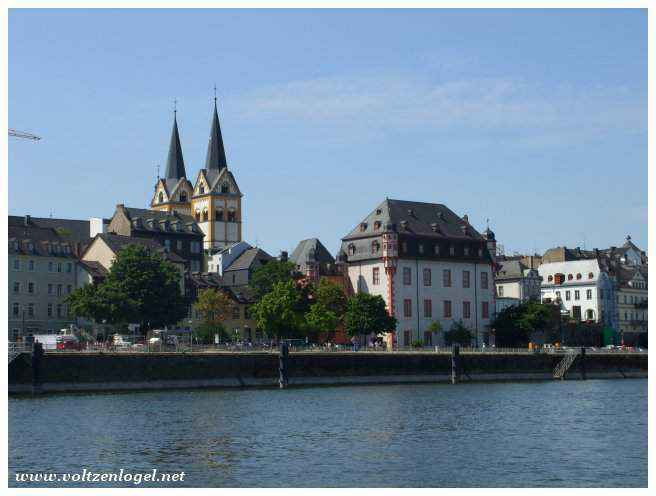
{"points": [[214, 200]]}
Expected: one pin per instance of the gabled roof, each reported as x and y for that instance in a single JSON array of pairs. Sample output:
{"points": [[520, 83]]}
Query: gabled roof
{"points": [[216, 157], [248, 259], [175, 168], [311, 250], [215, 178], [94, 268], [510, 269], [414, 218], [116, 243]]}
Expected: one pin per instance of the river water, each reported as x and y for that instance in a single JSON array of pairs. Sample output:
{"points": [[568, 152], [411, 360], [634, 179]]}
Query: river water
{"points": [[571, 433]]}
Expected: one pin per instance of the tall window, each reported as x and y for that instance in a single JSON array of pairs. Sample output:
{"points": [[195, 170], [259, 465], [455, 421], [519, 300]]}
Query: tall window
{"points": [[50, 289], [16, 264], [407, 307], [486, 309], [568, 295], [16, 287], [69, 289], [500, 290], [31, 265], [218, 214], [69, 267], [466, 310], [30, 287], [59, 310], [16, 310], [59, 289], [588, 294], [428, 309], [446, 278], [427, 277], [59, 267], [407, 276], [484, 280], [375, 276], [49, 309], [30, 310], [577, 295], [447, 309], [232, 216], [465, 279], [236, 312]]}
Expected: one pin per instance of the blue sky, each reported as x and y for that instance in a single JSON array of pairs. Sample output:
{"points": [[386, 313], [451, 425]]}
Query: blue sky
{"points": [[535, 119]]}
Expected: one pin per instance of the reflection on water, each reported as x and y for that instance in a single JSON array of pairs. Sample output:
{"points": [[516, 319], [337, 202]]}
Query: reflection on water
{"points": [[572, 433]]}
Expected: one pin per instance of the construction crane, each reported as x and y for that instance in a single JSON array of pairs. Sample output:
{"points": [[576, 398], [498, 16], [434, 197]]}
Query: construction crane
{"points": [[24, 135]]}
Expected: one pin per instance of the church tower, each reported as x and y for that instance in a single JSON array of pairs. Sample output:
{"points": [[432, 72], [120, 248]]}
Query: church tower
{"points": [[173, 192], [216, 198]]}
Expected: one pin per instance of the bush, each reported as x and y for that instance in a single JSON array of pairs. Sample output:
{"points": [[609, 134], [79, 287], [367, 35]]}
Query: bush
{"points": [[417, 344]]}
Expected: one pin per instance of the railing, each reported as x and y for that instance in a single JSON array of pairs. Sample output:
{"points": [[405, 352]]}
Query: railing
{"points": [[16, 349], [260, 348], [564, 365]]}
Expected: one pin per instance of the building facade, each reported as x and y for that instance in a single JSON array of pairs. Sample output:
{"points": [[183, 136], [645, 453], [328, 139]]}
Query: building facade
{"points": [[214, 200], [632, 295], [584, 288], [428, 264], [515, 280], [42, 273]]}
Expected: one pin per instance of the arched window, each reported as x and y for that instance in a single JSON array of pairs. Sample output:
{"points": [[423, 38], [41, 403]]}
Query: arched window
{"points": [[578, 276], [201, 189], [550, 278], [183, 196], [589, 314], [161, 197], [351, 249], [590, 275], [570, 277], [205, 215], [197, 216]]}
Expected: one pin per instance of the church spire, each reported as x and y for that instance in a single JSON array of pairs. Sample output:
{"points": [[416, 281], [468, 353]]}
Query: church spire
{"points": [[216, 157], [175, 168]]}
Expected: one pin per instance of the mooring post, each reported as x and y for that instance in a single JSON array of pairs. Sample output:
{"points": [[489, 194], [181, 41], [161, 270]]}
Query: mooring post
{"points": [[582, 364], [37, 360], [283, 365], [455, 364]]}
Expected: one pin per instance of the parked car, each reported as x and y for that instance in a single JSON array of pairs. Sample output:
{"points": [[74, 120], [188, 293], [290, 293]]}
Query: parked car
{"points": [[67, 343]]}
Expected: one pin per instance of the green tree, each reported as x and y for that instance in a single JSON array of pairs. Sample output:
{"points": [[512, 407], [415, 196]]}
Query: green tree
{"points": [[140, 288], [214, 307], [327, 310], [458, 334], [514, 325], [366, 314], [270, 273], [280, 312]]}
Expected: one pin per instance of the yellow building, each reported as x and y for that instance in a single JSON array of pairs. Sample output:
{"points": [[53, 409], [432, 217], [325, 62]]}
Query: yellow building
{"points": [[214, 200]]}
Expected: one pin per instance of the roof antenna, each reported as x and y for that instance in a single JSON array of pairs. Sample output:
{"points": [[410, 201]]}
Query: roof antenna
{"points": [[487, 223]]}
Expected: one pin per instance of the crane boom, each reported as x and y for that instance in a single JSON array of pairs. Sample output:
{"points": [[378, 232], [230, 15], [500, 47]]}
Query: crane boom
{"points": [[24, 135]]}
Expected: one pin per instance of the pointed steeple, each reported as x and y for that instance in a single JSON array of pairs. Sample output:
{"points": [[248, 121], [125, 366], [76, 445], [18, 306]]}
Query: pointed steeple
{"points": [[175, 168], [216, 157]]}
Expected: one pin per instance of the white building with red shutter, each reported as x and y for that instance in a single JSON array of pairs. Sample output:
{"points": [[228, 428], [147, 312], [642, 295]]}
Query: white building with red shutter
{"points": [[428, 264]]}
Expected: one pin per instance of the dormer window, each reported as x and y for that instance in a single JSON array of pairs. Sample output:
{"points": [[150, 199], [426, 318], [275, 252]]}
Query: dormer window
{"points": [[436, 249], [570, 277], [578, 276], [466, 251], [452, 250], [590, 275], [559, 278], [435, 228], [421, 248], [480, 252], [404, 225]]}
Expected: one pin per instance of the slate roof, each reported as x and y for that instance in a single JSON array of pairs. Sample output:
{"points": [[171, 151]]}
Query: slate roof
{"points": [[311, 250], [188, 222], [247, 259], [117, 242], [205, 280], [175, 168], [21, 236], [94, 268], [216, 157], [74, 230], [511, 269], [414, 218]]}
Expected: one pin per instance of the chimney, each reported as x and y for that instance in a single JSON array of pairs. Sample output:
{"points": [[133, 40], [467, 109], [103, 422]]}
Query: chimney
{"points": [[284, 256], [466, 218], [27, 220]]}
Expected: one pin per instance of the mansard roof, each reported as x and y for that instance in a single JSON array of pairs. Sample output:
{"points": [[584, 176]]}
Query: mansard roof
{"points": [[216, 157], [414, 219], [30, 239]]}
